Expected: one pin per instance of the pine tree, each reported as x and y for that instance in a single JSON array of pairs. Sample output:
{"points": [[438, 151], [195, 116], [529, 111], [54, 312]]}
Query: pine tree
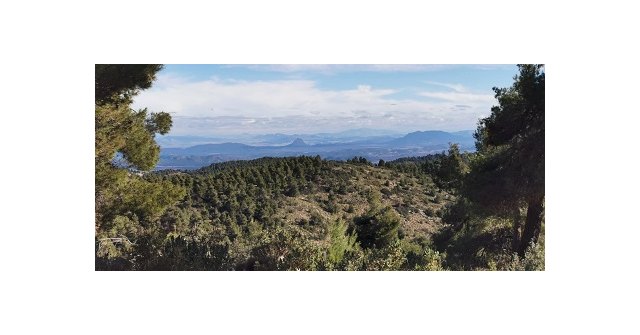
{"points": [[509, 170]]}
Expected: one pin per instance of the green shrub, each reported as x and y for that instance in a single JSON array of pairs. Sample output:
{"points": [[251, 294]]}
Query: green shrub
{"points": [[378, 228], [390, 258], [533, 260], [431, 260], [340, 242]]}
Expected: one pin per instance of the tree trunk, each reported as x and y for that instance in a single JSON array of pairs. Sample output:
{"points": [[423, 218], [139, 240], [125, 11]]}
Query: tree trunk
{"points": [[535, 213], [517, 226]]}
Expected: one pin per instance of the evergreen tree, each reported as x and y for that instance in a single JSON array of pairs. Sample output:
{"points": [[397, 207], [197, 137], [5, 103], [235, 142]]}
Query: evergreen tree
{"points": [[340, 242], [452, 168], [509, 170], [378, 228], [130, 135]]}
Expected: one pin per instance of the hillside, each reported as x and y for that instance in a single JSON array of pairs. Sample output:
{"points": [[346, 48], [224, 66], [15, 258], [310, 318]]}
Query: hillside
{"points": [[305, 213], [229, 205]]}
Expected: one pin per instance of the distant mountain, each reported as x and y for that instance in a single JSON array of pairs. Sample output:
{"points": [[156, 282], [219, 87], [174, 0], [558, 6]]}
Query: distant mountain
{"points": [[274, 139], [366, 132], [298, 142], [208, 149], [351, 135], [433, 137], [179, 141], [373, 148]]}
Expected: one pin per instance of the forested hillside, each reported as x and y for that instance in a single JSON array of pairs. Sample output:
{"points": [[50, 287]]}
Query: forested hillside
{"points": [[450, 211], [285, 213], [301, 213]]}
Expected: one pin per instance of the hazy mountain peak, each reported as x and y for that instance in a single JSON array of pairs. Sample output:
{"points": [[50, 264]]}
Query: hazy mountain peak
{"points": [[298, 142]]}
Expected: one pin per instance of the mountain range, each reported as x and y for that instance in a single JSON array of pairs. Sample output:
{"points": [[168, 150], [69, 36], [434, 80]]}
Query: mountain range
{"points": [[339, 146]]}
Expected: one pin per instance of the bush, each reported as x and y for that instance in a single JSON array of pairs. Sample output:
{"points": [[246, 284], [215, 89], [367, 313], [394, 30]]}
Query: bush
{"points": [[390, 258], [533, 260], [350, 209], [430, 260], [285, 249], [438, 199], [421, 257], [378, 228], [430, 211], [340, 242]]}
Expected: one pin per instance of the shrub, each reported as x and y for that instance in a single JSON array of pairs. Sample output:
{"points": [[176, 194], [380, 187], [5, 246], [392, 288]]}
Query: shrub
{"points": [[438, 198], [378, 228], [285, 249], [430, 260], [340, 242], [350, 209], [390, 258], [533, 260], [421, 257], [430, 211]]}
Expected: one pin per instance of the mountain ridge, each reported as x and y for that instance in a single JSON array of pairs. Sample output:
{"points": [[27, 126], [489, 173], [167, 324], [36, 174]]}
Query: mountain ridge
{"points": [[373, 148]]}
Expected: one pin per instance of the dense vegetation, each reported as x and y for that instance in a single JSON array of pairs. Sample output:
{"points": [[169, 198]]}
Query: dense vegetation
{"points": [[453, 210]]}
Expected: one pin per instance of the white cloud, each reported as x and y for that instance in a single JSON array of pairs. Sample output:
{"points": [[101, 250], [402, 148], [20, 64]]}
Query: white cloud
{"points": [[215, 106], [455, 87], [459, 97]]}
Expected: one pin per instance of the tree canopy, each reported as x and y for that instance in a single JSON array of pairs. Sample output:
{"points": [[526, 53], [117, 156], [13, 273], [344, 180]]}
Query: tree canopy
{"points": [[508, 172], [125, 142], [118, 83]]}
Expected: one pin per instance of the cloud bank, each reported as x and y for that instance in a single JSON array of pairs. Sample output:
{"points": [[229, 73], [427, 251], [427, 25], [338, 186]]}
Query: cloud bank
{"points": [[225, 107]]}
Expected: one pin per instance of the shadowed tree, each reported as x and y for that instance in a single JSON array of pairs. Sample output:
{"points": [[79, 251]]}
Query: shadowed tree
{"points": [[118, 83], [508, 172]]}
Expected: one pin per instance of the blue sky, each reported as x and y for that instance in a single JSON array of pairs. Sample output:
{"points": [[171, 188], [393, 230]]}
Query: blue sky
{"points": [[231, 100]]}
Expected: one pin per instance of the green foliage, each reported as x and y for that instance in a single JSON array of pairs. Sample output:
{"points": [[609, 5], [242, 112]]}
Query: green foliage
{"points": [[350, 209], [118, 83], [358, 161], [188, 223], [476, 242], [533, 260], [430, 260], [124, 144], [293, 191], [420, 256], [388, 258], [374, 199], [340, 242], [115, 240], [227, 222], [510, 163], [285, 249], [452, 169], [378, 228], [133, 194], [158, 122]]}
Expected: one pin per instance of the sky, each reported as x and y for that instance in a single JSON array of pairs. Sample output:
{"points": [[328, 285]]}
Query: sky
{"points": [[234, 100]]}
